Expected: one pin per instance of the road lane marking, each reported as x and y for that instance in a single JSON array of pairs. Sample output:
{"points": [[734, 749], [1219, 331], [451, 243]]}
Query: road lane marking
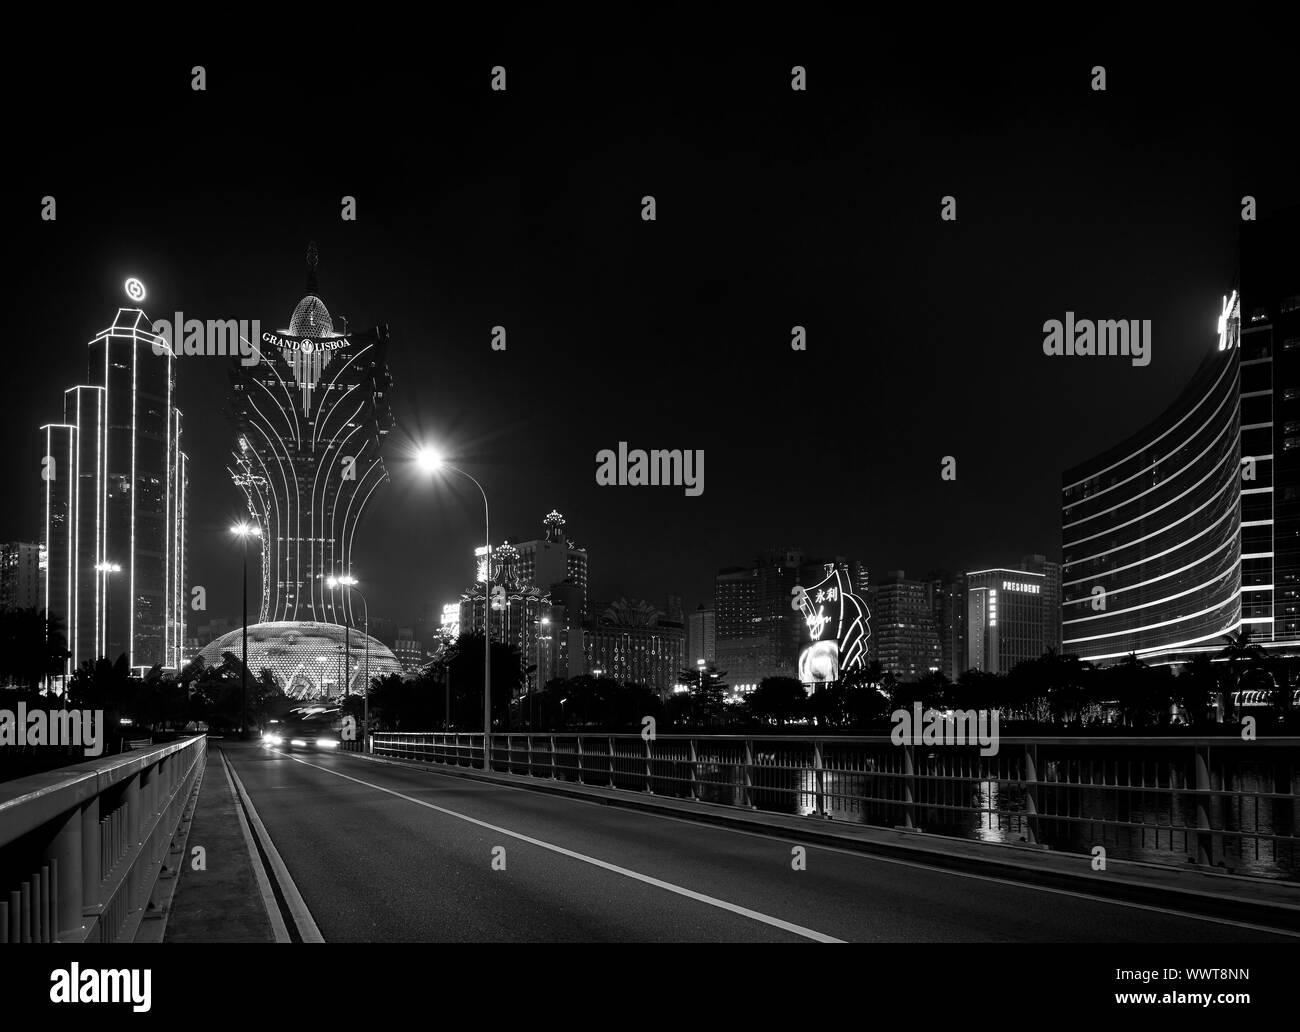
{"points": [[646, 879], [790, 836], [302, 918], [1187, 914], [278, 926]]}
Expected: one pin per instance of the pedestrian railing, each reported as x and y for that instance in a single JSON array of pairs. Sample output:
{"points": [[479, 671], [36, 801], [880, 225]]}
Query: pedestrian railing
{"points": [[81, 847], [1220, 802]]}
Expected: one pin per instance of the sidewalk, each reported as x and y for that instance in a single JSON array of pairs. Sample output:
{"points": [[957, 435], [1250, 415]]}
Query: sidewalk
{"points": [[224, 902], [1272, 903]]}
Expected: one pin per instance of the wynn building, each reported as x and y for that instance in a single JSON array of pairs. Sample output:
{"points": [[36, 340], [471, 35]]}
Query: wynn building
{"points": [[1190, 529]]}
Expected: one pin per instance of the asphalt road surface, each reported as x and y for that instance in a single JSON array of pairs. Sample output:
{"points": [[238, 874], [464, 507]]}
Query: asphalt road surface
{"points": [[383, 853]]}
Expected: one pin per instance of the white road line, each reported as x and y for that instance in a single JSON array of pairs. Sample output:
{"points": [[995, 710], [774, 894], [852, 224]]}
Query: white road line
{"points": [[278, 926], [297, 907], [712, 901], [791, 837], [1187, 914]]}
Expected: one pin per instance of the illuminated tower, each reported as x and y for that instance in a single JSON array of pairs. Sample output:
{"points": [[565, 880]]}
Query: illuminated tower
{"points": [[312, 415], [115, 505]]}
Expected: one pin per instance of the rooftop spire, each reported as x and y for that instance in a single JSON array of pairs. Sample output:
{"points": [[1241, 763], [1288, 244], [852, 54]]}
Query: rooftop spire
{"points": [[313, 259]]}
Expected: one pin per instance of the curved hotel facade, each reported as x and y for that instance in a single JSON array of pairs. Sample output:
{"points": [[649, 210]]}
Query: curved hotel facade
{"points": [[1190, 529]]}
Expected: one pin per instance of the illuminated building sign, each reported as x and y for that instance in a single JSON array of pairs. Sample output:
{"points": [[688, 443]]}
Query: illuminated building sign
{"points": [[837, 623], [1229, 323], [451, 619], [305, 345], [1029, 589]]}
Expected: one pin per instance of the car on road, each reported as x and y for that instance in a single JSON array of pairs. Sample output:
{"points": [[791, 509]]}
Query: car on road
{"points": [[308, 729]]}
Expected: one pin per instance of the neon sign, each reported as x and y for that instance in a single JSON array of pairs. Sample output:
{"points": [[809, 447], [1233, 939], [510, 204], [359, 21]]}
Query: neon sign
{"points": [[838, 628], [1229, 323]]}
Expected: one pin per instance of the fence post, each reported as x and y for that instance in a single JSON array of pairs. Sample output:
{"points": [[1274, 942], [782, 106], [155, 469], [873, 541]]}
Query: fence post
{"points": [[1204, 845], [749, 773], [1031, 793], [65, 854], [909, 780], [91, 875], [553, 775], [611, 762], [819, 781], [695, 771], [649, 773], [578, 738]]}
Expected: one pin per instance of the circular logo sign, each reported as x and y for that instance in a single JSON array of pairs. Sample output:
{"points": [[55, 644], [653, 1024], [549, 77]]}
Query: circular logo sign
{"points": [[134, 289], [307, 347]]}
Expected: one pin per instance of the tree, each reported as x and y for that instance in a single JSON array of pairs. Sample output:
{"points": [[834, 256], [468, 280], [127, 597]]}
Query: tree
{"points": [[463, 660], [707, 693], [32, 646], [1243, 655], [778, 700]]}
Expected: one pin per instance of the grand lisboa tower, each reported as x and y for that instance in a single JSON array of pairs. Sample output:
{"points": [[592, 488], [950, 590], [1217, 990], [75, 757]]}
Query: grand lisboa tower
{"points": [[311, 416]]}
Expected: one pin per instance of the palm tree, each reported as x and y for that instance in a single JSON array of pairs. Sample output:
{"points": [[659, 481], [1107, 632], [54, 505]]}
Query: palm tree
{"points": [[1243, 656]]}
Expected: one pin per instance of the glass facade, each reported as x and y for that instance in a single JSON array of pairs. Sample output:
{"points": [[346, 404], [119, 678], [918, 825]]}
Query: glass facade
{"points": [[1152, 555], [115, 501]]}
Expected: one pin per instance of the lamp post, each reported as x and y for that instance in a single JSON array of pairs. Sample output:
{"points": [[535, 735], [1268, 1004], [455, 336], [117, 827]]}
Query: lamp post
{"points": [[244, 531], [537, 684], [431, 461], [350, 583], [105, 569]]}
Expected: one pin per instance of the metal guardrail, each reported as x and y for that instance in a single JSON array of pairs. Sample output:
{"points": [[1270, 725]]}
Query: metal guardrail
{"points": [[1208, 801], [85, 844]]}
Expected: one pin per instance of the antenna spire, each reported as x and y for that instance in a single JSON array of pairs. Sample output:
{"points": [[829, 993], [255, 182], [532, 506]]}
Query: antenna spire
{"points": [[313, 259]]}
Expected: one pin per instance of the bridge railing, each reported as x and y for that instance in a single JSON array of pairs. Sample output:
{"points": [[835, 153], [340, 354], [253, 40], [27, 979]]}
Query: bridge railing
{"points": [[81, 847], [1212, 801]]}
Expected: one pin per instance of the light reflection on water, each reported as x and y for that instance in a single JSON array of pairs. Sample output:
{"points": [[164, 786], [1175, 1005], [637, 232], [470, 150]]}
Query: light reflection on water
{"points": [[968, 807]]}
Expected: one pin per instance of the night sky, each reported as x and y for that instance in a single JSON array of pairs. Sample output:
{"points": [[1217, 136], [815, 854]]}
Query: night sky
{"points": [[775, 208]]}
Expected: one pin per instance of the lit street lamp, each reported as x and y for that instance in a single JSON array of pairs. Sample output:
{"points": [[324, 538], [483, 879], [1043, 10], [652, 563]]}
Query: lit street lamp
{"points": [[105, 569], [244, 531], [350, 583], [431, 461]]}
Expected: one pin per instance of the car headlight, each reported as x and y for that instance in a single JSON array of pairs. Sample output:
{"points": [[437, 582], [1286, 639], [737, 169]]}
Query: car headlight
{"points": [[298, 741], [327, 743]]}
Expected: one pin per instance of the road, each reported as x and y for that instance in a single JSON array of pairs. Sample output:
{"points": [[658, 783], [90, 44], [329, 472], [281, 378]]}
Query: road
{"points": [[383, 853]]}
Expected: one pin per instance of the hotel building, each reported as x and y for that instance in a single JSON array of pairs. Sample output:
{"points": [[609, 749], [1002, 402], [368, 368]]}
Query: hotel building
{"points": [[1190, 528]]}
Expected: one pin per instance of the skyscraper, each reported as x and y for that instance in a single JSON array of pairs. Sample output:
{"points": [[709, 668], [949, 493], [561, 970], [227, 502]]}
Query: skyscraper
{"points": [[1004, 619], [1190, 529], [21, 577], [906, 642], [632, 642], [553, 558], [701, 637], [115, 503], [312, 415]]}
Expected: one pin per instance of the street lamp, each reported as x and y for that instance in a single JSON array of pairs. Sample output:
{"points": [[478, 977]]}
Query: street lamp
{"points": [[350, 583], [244, 531], [431, 461], [105, 569]]}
